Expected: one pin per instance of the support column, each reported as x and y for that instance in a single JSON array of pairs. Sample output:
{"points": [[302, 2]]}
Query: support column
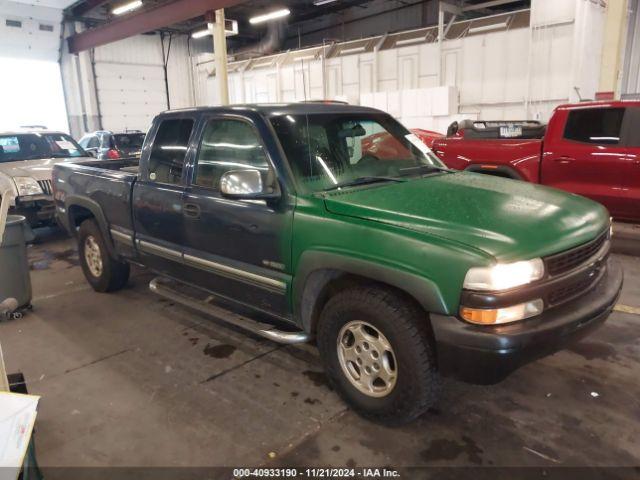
{"points": [[220, 53], [613, 43]]}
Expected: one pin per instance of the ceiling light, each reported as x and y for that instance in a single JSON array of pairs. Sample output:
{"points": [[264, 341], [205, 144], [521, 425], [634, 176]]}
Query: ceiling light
{"points": [[127, 7], [488, 28], [269, 16], [201, 33], [317, 3]]}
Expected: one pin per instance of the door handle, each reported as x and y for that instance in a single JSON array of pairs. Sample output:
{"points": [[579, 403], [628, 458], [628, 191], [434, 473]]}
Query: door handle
{"points": [[564, 160], [191, 210]]}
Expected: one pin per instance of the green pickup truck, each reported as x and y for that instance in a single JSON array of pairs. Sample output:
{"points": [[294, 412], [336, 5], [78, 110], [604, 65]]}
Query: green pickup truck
{"points": [[282, 219]]}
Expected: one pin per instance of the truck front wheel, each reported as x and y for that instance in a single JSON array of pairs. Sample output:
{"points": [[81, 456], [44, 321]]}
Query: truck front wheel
{"points": [[103, 272], [377, 351]]}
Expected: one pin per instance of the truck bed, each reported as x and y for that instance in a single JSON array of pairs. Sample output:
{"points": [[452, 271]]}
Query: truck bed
{"points": [[105, 183], [521, 156]]}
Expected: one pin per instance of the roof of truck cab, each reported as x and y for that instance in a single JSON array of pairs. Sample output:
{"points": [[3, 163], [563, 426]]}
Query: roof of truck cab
{"points": [[601, 104], [272, 109]]}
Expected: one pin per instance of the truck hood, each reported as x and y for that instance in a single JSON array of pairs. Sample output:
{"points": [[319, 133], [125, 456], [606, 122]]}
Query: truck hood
{"points": [[37, 169], [507, 219]]}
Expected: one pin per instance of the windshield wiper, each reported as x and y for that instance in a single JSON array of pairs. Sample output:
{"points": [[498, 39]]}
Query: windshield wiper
{"points": [[364, 181]]}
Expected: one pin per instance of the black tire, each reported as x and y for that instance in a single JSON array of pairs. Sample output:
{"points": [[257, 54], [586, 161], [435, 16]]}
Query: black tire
{"points": [[114, 273], [405, 326]]}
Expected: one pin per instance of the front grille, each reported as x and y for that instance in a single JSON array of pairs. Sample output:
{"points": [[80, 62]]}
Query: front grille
{"points": [[570, 259], [570, 291], [46, 186]]}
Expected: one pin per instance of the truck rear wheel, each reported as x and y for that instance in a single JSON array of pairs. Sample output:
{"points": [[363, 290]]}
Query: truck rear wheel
{"points": [[103, 272], [378, 354]]}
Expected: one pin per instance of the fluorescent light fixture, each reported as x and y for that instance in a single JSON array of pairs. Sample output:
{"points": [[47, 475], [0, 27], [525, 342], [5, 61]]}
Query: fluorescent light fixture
{"points": [[317, 3], [270, 16], [488, 28], [127, 7], [201, 33], [410, 41], [352, 50]]}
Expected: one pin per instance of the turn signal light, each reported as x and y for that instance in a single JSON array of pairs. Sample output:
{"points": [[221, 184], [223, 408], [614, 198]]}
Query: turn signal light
{"points": [[496, 316]]}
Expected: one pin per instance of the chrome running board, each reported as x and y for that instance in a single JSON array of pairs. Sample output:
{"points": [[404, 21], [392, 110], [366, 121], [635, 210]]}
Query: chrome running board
{"points": [[164, 288]]}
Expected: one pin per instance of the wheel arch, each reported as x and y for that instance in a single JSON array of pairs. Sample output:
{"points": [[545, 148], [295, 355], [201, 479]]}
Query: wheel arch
{"points": [[322, 274], [80, 209]]}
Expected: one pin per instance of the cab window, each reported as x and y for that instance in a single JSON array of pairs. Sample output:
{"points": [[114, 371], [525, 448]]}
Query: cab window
{"points": [[166, 161], [600, 126], [227, 145]]}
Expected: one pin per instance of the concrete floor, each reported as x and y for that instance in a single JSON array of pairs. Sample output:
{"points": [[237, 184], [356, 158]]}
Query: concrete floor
{"points": [[129, 379]]}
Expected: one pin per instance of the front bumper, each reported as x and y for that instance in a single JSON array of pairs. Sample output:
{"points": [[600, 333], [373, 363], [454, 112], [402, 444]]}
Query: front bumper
{"points": [[487, 354], [39, 210]]}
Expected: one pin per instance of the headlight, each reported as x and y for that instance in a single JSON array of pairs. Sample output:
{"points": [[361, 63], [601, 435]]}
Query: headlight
{"points": [[27, 186], [504, 275]]}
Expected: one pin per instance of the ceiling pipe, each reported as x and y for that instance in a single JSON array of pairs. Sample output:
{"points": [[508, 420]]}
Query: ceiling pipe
{"points": [[269, 44]]}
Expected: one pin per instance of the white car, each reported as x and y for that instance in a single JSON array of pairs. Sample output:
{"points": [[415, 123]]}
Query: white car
{"points": [[26, 161]]}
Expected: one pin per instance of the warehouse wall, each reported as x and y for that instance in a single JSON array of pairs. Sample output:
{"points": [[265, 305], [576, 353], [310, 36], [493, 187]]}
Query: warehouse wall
{"points": [[122, 85], [510, 74]]}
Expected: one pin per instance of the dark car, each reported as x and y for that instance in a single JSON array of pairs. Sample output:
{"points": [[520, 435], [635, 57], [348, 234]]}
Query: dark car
{"points": [[105, 145]]}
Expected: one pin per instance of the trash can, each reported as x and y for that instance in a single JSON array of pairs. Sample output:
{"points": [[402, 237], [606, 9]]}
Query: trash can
{"points": [[15, 281]]}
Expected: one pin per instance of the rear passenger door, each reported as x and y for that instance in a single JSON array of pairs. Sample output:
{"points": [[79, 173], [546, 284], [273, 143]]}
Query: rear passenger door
{"points": [[239, 249], [590, 159], [157, 197]]}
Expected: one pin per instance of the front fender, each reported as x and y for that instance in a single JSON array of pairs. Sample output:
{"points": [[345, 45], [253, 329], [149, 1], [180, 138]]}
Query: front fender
{"points": [[316, 269]]}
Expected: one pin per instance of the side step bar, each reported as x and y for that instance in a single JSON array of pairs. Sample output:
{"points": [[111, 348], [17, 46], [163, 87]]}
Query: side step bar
{"points": [[165, 288]]}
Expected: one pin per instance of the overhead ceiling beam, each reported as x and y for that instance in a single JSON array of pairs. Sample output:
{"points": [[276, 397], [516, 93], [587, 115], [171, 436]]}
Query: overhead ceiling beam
{"points": [[145, 21], [86, 6]]}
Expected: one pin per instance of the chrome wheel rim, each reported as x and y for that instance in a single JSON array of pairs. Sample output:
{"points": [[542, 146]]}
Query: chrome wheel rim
{"points": [[92, 256], [367, 359]]}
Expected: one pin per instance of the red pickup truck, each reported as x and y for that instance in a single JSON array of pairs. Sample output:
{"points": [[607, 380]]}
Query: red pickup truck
{"points": [[592, 149]]}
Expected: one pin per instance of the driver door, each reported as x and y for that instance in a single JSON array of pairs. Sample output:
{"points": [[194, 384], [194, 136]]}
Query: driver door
{"points": [[239, 249]]}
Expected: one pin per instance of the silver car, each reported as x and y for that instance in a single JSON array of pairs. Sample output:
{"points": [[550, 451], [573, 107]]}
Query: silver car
{"points": [[26, 161]]}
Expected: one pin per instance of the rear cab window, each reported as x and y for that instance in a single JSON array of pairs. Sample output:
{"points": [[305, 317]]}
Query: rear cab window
{"points": [[129, 140], [166, 161]]}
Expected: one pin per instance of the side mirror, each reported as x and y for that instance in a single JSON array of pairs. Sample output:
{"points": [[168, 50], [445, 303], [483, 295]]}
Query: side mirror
{"points": [[92, 152], [247, 184]]}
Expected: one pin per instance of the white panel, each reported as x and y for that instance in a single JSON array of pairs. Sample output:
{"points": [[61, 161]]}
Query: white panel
{"points": [[29, 41], [366, 77], [450, 68], [408, 72], [350, 74]]}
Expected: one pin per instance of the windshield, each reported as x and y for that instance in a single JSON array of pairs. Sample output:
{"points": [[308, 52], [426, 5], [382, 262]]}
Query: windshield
{"points": [[129, 140], [33, 146], [328, 151]]}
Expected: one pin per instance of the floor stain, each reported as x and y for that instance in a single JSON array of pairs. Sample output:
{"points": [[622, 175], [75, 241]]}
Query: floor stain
{"points": [[311, 401], [351, 463], [336, 448], [319, 379], [219, 351], [445, 449], [194, 341], [593, 350], [294, 394]]}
